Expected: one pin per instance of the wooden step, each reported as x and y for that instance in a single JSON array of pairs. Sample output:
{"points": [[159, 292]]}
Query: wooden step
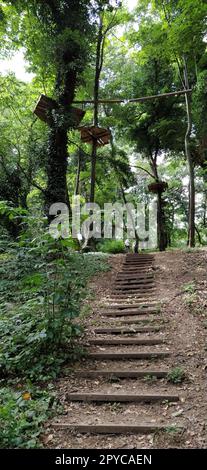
{"points": [[125, 296], [127, 291], [136, 265], [126, 341], [111, 428], [123, 306], [120, 313], [135, 287], [131, 277], [129, 303], [122, 374], [135, 270], [139, 255], [114, 356], [135, 279], [123, 285], [121, 397], [139, 264], [138, 260], [127, 331], [139, 267], [134, 321], [134, 282]]}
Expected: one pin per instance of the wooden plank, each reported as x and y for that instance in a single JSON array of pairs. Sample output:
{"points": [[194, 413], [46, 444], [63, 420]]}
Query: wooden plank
{"points": [[134, 281], [134, 285], [136, 273], [136, 266], [135, 276], [133, 290], [122, 374], [129, 306], [124, 296], [133, 321], [126, 341], [138, 260], [122, 398], [141, 266], [127, 331], [128, 355], [129, 301], [139, 255], [120, 313], [111, 428]]}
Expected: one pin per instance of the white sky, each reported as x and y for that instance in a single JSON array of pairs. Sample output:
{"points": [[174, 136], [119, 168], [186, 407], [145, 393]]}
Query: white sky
{"points": [[18, 65], [131, 4]]}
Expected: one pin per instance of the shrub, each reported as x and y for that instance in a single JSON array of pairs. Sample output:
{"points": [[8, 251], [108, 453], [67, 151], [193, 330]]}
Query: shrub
{"points": [[112, 246], [176, 375], [21, 416], [40, 294]]}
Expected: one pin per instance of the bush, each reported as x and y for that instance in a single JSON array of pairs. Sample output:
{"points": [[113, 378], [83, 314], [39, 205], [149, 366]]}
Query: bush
{"points": [[176, 375], [112, 246], [41, 291], [21, 415], [42, 285]]}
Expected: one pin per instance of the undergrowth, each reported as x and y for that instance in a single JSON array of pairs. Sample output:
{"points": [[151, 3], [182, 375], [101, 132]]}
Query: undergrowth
{"points": [[42, 285]]}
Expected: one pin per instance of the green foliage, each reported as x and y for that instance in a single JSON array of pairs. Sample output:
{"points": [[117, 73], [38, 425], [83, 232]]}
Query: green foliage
{"points": [[43, 283], [22, 413], [176, 375], [112, 246], [189, 288]]}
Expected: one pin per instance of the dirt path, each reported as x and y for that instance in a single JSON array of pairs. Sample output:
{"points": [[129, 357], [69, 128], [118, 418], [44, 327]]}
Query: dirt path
{"points": [[178, 328]]}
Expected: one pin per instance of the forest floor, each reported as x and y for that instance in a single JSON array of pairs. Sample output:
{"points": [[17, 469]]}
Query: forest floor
{"points": [[181, 288]]}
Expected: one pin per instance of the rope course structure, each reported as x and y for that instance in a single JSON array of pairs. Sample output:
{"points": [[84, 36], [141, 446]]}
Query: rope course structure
{"points": [[91, 134]]}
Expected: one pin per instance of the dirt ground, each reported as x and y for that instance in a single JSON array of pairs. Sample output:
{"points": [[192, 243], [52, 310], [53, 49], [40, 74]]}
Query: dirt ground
{"points": [[181, 290]]}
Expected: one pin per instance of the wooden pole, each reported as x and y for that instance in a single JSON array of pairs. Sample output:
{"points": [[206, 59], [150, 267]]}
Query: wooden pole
{"points": [[135, 100]]}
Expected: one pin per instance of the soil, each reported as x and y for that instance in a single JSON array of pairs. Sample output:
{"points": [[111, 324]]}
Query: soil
{"points": [[181, 291]]}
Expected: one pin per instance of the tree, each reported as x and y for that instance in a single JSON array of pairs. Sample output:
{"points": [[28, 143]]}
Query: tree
{"points": [[21, 148], [59, 24], [107, 21], [184, 42]]}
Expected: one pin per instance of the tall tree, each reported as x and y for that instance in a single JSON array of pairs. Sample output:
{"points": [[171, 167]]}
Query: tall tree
{"points": [[106, 22], [66, 27], [185, 44]]}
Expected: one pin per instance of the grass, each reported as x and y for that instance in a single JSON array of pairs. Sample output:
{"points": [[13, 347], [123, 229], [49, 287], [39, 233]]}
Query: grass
{"points": [[150, 378], [176, 375], [189, 288]]}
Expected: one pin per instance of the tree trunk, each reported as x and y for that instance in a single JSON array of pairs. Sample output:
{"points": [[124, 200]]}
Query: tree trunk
{"points": [[77, 184], [190, 162], [99, 53], [57, 167], [99, 63], [136, 247], [161, 229], [57, 190], [204, 210], [93, 171]]}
